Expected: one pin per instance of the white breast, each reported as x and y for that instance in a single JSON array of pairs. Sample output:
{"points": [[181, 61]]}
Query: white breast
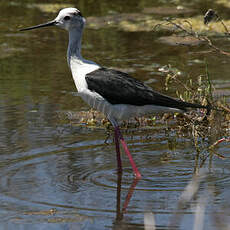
{"points": [[79, 69]]}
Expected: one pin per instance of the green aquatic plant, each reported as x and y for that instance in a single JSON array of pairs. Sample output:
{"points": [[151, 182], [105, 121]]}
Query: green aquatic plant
{"points": [[198, 90], [208, 129]]}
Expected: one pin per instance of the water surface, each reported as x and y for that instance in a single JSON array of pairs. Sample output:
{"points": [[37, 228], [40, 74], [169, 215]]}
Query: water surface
{"points": [[56, 175]]}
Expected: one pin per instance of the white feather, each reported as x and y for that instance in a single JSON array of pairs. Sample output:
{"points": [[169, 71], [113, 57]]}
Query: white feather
{"points": [[80, 67]]}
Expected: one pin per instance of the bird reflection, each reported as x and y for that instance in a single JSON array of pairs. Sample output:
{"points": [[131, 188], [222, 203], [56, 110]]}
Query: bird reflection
{"points": [[121, 209]]}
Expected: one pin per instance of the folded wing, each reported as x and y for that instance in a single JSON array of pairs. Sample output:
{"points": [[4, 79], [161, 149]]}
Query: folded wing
{"points": [[119, 88]]}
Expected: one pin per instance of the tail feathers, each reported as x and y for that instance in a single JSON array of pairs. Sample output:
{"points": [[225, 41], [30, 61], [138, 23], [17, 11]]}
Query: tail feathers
{"points": [[186, 105], [178, 104], [208, 107], [167, 101]]}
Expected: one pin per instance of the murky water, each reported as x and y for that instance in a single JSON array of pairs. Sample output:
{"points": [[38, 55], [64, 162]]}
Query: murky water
{"points": [[55, 175]]}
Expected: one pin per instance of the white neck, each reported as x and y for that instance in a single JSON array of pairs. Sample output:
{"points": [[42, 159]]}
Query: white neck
{"points": [[74, 47], [78, 65]]}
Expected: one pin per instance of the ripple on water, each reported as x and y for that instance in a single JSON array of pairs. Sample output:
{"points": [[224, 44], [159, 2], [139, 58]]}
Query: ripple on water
{"points": [[81, 179]]}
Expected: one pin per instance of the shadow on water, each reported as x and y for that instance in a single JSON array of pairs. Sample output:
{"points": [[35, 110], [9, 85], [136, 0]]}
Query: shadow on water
{"points": [[58, 175]]}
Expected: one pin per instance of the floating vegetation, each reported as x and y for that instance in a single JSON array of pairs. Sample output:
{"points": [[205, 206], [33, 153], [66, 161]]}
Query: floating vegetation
{"points": [[49, 7], [134, 22], [56, 216], [52, 211], [172, 11], [185, 29], [225, 3], [125, 21], [175, 40]]}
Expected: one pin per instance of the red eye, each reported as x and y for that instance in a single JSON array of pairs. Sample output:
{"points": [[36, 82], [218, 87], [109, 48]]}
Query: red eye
{"points": [[66, 18]]}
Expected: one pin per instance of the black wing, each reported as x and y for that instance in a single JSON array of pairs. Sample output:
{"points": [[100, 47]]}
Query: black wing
{"points": [[119, 88]]}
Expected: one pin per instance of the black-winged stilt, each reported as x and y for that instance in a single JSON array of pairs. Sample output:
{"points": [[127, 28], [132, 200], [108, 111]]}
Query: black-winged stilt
{"points": [[114, 93]]}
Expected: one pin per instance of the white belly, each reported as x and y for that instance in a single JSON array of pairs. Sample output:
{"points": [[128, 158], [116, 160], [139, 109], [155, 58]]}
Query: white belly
{"points": [[120, 111]]}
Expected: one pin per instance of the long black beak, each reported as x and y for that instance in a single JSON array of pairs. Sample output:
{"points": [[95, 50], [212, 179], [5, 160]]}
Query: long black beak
{"points": [[51, 23]]}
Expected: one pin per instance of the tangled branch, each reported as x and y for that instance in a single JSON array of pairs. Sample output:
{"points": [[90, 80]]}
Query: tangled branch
{"points": [[209, 16]]}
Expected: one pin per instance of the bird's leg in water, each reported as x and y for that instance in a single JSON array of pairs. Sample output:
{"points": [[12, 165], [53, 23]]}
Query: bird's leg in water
{"points": [[119, 164], [135, 170]]}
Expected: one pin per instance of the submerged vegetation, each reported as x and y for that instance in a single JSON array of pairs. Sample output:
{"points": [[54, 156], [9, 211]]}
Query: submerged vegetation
{"points": [[207, 128]]}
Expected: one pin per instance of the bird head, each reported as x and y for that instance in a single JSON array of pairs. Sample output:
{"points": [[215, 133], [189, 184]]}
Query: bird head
{"points": [[68, 18]]}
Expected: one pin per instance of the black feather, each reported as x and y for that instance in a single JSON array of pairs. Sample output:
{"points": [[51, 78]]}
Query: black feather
{"points": [[119, 88]]}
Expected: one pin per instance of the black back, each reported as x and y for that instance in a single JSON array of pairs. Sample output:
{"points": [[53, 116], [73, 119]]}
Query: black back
{"points": [[119, 88]]}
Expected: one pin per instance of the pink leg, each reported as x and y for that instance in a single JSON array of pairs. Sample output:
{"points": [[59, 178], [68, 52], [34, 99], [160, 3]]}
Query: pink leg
{"points": [[129, 195], [136, 172], [119, 164]]}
